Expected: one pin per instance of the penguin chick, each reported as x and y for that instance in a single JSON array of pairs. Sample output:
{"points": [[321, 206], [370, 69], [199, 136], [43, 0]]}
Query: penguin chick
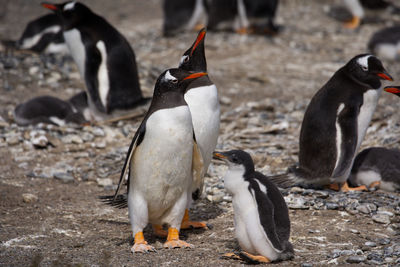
{"points": [[385, 43], [262, 224], [43, 34], [159, 161], [47, 109], [377, 167], [105, 60], [335, 123]]}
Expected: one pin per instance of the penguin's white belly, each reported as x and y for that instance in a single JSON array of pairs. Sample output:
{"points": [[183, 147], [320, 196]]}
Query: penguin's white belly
{"points": [[248, 228], [73, 39], [204, 107], [366, 111], [161, 165], [368, 177]]}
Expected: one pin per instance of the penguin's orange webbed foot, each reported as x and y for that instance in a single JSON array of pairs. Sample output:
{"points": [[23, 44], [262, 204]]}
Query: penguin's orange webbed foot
{"points": [[353, 23], [141, 245], [173, 240], [159, 231], [345, 188], [244, 30], [231, 255], [334, 187], [256, 258], [375, 184], [187, 223]]}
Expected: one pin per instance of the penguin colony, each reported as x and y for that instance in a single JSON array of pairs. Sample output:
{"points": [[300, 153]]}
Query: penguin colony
{"points": [[172, 149]]}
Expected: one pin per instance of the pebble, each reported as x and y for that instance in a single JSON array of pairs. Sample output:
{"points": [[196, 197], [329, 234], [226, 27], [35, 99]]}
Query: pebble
{"points": [[332, 206], [381, 218], [65, 177], [12, 140], [98, 132], [370, 244], [306, 264], [72, 139], [104, 182], [356, 259], [366, 208], [384, 241], [29, 198], [40, 141]]}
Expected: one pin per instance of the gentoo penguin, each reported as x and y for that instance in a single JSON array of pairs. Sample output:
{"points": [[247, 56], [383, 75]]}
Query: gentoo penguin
{"points": [[262, 224], [44, 34], [377, 167], [47, 109], [393, 89], [243, 16], [335, 123], [202, 98], [183, 15], [105, 60], [385, 43], [160, 160]]}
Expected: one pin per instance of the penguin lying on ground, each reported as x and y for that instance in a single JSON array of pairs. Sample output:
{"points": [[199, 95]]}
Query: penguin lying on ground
{"points": [[335, 123], [385, 43], [183, 15], [243, 16], [44, 34], [262, 224], [105, 60], [47, 109], [160, 161], [377, 167]]}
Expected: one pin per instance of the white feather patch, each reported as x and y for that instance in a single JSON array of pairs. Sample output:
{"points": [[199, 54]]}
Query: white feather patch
{"points": [[168, 76], [74, 41], [363, 61], [69, 6], [262, 187], [338, 136], [102, 74], [57, 121]]}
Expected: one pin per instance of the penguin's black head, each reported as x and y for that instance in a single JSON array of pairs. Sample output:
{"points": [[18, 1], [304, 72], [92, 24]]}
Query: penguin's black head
{"points": [[194, 58], [71, 13], [236, 159], [368, 69], [393, 89], [175, 80]]}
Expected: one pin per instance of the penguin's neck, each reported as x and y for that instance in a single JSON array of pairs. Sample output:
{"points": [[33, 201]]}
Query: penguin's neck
{"points": [[234, 180], [169, 99]]}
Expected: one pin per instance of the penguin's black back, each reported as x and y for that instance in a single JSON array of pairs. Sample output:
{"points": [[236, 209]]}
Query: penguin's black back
{"points": [[389, 35], [37, 26], [124, 85], [261, 8], [221, 10], [381, 160], [375, 4], [317, 135], [280, 210]]}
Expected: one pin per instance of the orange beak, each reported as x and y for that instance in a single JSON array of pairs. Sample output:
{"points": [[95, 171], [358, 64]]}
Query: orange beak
{"points": [[392, 89], [195, 75], [49, 6], [218, 155], [384, 75], [200, 37]]}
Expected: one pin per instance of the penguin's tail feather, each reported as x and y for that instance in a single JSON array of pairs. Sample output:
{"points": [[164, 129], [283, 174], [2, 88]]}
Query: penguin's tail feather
{"points": [[288, 179], [120, 201]]}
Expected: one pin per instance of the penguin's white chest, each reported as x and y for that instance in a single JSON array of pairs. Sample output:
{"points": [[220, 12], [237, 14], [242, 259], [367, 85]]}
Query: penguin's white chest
{"points": [[370, 100], [73, 39], [204, 107], [161, 165]]}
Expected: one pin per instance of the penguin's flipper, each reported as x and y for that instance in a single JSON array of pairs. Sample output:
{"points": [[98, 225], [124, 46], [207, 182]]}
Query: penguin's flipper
{"points": [[266, 214], [346, 144], [197, 170], [137, 139]]}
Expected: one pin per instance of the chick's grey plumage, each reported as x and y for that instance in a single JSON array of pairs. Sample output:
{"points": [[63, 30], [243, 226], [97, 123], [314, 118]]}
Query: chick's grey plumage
{"points": [[377, 164], [262, 221]]}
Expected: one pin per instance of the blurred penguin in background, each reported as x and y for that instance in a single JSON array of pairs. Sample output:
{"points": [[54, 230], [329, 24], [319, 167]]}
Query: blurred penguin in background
{"points": [[183, 15], [243, 16], [385, 43]]}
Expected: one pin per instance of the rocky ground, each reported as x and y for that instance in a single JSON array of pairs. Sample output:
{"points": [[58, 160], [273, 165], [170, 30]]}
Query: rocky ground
{"points": [[50, 177]]}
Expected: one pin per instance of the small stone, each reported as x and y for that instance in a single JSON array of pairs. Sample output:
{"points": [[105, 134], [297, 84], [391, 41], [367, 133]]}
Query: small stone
{"points": [[29, 198], [381, 218], [218, 197], [332, 206], [104, 182], [40, 141], [356, 259], [296, 190], [384, 241], [98, 132], [307, 264], [385, 212], [72, 139], [354, 231], [87, 137], [101, 145], [65, 177], [370, 244], [389, 260], [12, 140], [366, 208], [346, 252]]}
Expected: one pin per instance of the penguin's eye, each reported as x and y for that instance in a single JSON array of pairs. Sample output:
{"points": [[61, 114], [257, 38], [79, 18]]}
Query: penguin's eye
{"points": [[174, 81], [234, 159], [364, 68], [186, 59]]}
